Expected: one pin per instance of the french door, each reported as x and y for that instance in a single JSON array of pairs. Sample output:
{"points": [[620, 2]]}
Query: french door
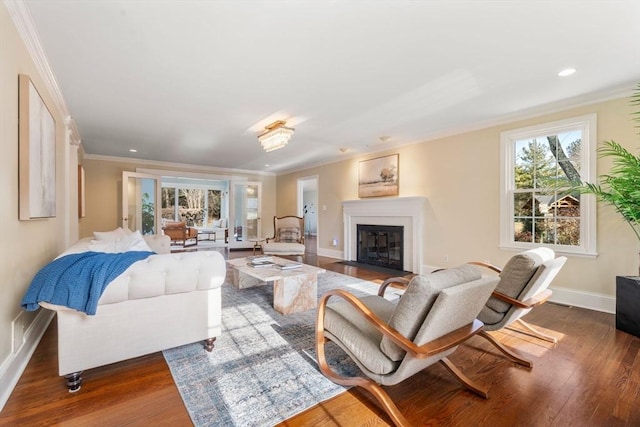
{"points": [[141, 202], [246, 202]]}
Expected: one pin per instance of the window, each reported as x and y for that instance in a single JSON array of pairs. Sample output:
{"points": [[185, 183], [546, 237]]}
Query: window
{"points": [[540, 164], [190, 205]]}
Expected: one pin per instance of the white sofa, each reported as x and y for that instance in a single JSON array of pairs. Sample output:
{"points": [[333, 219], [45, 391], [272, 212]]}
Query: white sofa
{"points": [[164, 301], [219, 229]]}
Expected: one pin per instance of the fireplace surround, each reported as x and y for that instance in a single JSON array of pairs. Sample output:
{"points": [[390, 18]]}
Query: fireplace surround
{"points": [[381, 245], [407, 212]]}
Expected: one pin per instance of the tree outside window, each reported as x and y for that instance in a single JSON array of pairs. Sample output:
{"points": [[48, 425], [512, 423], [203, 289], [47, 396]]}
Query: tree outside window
{"points": [[541, 164], [190, 206]]}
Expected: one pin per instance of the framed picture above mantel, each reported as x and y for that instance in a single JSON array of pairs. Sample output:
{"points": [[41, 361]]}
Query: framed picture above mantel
{"points": [[36, 154], [378, 177]]}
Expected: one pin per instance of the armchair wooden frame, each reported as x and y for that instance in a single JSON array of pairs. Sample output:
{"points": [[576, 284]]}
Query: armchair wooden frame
{"points": [[287, 221], [536, 300], [431, 348]]}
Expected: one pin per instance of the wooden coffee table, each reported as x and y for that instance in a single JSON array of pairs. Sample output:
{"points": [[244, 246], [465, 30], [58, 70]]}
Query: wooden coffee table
{"points": [[293, 290]]}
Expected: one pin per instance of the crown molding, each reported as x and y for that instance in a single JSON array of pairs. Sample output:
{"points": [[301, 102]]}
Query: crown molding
{"points": [[622, 91], [21, 17], [181, 166]]}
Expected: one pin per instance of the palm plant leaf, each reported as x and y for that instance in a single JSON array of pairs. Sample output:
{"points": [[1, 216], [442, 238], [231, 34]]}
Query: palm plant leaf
{"points": [[619, 188]]}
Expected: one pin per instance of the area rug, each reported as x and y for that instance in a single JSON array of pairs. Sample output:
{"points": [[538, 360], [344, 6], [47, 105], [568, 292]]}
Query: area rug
{"points": [[262, 370]]}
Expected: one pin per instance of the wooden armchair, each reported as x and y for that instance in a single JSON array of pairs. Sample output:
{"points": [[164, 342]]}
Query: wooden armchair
{"points": [[288, 237], [523, 285], [178, 232], [391, 342]]}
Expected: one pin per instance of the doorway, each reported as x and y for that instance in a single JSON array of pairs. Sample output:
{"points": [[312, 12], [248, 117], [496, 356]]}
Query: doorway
{"points": [[308, 209]]}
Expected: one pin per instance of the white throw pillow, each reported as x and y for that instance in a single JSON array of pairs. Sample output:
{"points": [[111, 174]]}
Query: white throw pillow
{"points": [[110, 235], [127, 243]]}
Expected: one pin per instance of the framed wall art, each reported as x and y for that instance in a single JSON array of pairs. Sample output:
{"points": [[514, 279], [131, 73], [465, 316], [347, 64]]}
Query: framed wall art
{"points": [[378, 177], [37, 154]]}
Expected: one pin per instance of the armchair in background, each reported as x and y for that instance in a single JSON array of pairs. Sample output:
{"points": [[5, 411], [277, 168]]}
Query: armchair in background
{"points": [[523, 285], [391, 341], [288, 237], [179, 232]]}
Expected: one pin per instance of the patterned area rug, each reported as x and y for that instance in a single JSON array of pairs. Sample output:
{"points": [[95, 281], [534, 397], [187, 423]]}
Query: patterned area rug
{"points": [[262, 370]]}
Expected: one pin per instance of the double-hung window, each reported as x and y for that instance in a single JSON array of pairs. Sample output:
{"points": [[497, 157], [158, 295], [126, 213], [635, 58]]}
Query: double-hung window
{"points": [[540, 166]]}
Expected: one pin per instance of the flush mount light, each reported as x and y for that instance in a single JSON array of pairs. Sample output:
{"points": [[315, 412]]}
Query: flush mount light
{"points": [[566, 72], [133, 150], [275, 136]]}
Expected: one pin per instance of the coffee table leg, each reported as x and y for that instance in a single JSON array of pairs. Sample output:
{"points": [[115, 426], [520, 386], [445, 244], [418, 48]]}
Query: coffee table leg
{"points": [[241, 280], [294, 294]]}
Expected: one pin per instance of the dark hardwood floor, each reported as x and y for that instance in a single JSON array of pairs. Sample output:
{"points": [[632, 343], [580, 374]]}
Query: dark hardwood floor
{"points": [[590, 378]]}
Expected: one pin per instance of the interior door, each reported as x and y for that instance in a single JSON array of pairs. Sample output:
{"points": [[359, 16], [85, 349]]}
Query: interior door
{"points": [[245, 218], [141, 202]]}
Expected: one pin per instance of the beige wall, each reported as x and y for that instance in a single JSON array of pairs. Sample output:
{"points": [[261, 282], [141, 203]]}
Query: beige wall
{"points": [[460, 177], [25, 246], [104, 191]]}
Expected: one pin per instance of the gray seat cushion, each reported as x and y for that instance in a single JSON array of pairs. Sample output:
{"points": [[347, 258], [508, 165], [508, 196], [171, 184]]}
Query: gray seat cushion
{"points": [[490, 317], [516, 274], [359, 337], [417, 300]]}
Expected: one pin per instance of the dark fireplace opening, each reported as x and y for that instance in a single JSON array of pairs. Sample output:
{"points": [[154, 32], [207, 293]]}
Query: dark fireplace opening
{"points": [[381, 245]]}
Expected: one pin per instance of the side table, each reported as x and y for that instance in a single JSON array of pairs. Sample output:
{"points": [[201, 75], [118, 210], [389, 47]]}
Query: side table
{"points": [[257, 243]]}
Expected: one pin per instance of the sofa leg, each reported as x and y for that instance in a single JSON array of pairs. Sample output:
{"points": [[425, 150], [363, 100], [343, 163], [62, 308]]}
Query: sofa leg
{"points": [[208, 344], [74, 381]]}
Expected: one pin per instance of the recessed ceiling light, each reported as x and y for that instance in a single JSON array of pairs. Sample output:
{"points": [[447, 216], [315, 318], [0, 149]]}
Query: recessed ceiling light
{"points": [[133, 150], [266, 166], [567, 72]]}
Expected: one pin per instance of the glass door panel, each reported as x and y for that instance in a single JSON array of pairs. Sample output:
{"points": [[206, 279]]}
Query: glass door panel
{"points": [[246, 205], [140, 198]]}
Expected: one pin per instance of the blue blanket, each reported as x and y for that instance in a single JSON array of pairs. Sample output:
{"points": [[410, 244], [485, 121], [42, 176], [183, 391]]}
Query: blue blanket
{"points": [[78, 280]]}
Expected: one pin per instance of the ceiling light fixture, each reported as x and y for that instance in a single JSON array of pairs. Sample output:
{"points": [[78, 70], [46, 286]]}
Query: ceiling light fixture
{"points": [[566, 72], [133, 150], [276, 136]]}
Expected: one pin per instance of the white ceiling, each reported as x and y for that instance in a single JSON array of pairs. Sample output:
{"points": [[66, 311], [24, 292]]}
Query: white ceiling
{"points": [[195, 81]]}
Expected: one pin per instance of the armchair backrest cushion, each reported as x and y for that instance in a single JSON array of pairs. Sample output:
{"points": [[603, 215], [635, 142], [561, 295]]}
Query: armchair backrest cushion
{"points": [[543, 277], [289, 235], [417, 300], [455, 307], [179, 225], [517, 273], [288, 229]]}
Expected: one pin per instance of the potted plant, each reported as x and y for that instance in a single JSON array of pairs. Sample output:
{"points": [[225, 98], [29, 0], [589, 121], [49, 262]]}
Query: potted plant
{"points": [[620, 188]]}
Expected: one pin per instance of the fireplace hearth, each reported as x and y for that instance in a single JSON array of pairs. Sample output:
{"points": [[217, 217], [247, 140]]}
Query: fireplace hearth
{"points": [[381, 245]]}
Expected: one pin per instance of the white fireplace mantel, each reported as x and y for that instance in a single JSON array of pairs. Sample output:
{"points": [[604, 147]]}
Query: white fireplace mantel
{"points": [[403, 211]]}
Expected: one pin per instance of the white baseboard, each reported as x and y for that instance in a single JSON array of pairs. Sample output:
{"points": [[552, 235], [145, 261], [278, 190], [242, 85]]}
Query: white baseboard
{"points": [[584, 299], [331, 253], [13, 366]]}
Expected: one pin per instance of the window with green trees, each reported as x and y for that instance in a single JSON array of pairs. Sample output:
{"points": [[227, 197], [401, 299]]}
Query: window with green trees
{"points": [[541, 164], [197, 207]]}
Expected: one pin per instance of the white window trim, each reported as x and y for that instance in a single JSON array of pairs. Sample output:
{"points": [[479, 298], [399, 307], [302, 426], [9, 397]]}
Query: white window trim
{"points": [[587, 124]]}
